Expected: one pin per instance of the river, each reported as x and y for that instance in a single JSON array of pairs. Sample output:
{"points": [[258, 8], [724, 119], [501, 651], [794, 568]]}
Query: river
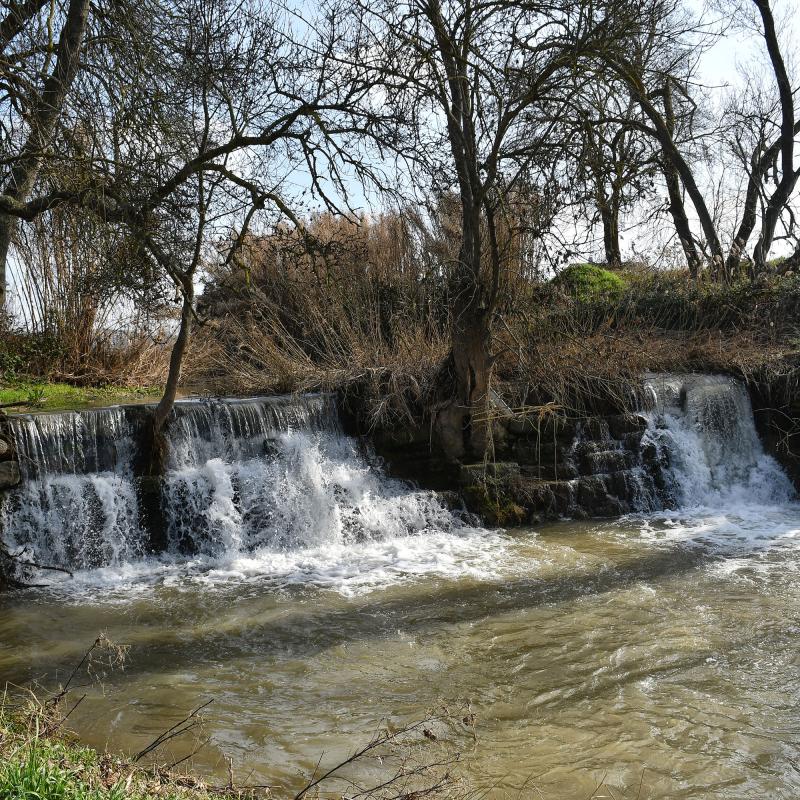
{"points": [[656, 652]]}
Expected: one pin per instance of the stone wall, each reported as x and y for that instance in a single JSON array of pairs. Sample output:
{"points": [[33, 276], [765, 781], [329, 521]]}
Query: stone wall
{"points": [[599, 466], [776, 410], [543, 468], [9, 466]]}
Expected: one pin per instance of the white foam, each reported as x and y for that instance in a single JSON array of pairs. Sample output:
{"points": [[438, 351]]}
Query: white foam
{"points": [[267, 492], [310, 509]]}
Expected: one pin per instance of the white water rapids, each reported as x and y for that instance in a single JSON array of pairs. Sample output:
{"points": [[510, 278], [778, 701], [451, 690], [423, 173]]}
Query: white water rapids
{"points": [[271, 488]]}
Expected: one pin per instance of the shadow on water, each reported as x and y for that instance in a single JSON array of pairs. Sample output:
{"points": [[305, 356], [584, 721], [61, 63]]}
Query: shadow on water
{"points": [[172, 633]]}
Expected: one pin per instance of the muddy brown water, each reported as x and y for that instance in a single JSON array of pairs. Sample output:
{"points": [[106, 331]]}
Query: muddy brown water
{"points": [[659, 654]]}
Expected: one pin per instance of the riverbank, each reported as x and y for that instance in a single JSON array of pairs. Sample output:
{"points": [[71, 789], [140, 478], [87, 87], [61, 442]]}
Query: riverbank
{"points": [[568, 388], [41, 759], [44, 395]]}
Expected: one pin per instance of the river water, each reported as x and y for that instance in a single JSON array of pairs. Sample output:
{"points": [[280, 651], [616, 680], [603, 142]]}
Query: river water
{"points": [[657, 652]]}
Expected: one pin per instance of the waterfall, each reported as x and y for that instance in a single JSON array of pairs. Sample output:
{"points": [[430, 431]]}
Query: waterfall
{"points": [[245, 476], [701, 436], [275, 481], [77, 505]]}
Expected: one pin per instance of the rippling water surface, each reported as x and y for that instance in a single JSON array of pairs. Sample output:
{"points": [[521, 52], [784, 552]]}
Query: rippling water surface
{"points": [[658, 649]]}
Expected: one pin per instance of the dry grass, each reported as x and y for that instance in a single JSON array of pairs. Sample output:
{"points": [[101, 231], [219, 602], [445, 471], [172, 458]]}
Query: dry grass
{"points": [[590, 356], [370, 321], [129, 358], [355, 313]]}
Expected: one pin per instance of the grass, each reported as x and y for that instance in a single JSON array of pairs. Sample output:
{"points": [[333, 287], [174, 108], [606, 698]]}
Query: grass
{"points": [[38, 761], [55, 396]]}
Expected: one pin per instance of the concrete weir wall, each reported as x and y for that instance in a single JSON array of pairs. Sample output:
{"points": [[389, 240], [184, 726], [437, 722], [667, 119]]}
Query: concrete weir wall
{"points": [[543, 469], [545, 465], [9, 465]]}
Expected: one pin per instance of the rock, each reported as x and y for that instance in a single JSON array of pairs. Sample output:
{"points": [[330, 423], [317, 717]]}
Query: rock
{"points": [[546, 428], [605, 461], [521, 425], [633, 441], [593, 497], [560, 471], [499, 471], [451, 499], [499, 406], [620, 425], [6, 450], [596, 429], [532, 453], [494, 504], [9, 474]]}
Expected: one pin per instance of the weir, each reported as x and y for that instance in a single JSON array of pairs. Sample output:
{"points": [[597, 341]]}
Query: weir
{"points": [[706, 446], [273, 475], [243, 475]]}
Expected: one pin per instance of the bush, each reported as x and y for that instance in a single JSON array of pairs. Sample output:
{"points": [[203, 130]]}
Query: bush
{"points": [[586, 281]]}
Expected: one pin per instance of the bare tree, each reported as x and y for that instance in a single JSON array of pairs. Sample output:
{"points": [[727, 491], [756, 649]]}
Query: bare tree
{"points": [[659, 72], [33, 102], [615, 161], [764, 124], [488, 83], [191, 126]]}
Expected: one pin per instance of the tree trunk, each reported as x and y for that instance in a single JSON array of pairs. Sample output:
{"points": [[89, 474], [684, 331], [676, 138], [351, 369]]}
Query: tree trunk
{"points": [[772, 213], [681, 221], [609, 215], [463, 426], [155, 448], [780, 197], [42, 122]]}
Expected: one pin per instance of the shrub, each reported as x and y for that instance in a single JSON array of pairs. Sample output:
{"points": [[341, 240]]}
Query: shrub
{"points": [[586, 281]]}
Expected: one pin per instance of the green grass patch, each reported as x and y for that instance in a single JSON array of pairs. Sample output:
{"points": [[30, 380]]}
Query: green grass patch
{"points": [[47, 396], [46, 771], [40, 761]]}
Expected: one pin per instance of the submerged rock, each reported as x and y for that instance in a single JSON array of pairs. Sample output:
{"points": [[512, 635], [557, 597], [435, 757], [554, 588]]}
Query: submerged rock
{"points": [[9, 475]]}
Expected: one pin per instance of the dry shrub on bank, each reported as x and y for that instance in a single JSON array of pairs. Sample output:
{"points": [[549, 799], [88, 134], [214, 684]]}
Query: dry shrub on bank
{"points": [[121, 357], [356, 309], [85, 306], [590, 355], [365, 311]]}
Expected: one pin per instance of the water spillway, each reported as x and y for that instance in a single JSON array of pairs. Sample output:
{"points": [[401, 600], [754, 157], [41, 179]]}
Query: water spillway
{"points": [[244, 476], [277, 475], [702, 438], [77, 506]]}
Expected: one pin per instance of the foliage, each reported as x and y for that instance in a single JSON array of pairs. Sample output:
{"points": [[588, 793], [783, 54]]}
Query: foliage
{"points": [[588, 281], [368, 326], [133, 358], [46, 771]]}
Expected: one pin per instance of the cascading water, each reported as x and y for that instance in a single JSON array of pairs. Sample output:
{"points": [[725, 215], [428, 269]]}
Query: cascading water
{"points": [[702, 431], [77, 505], [266, 485], [273, 486]]}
